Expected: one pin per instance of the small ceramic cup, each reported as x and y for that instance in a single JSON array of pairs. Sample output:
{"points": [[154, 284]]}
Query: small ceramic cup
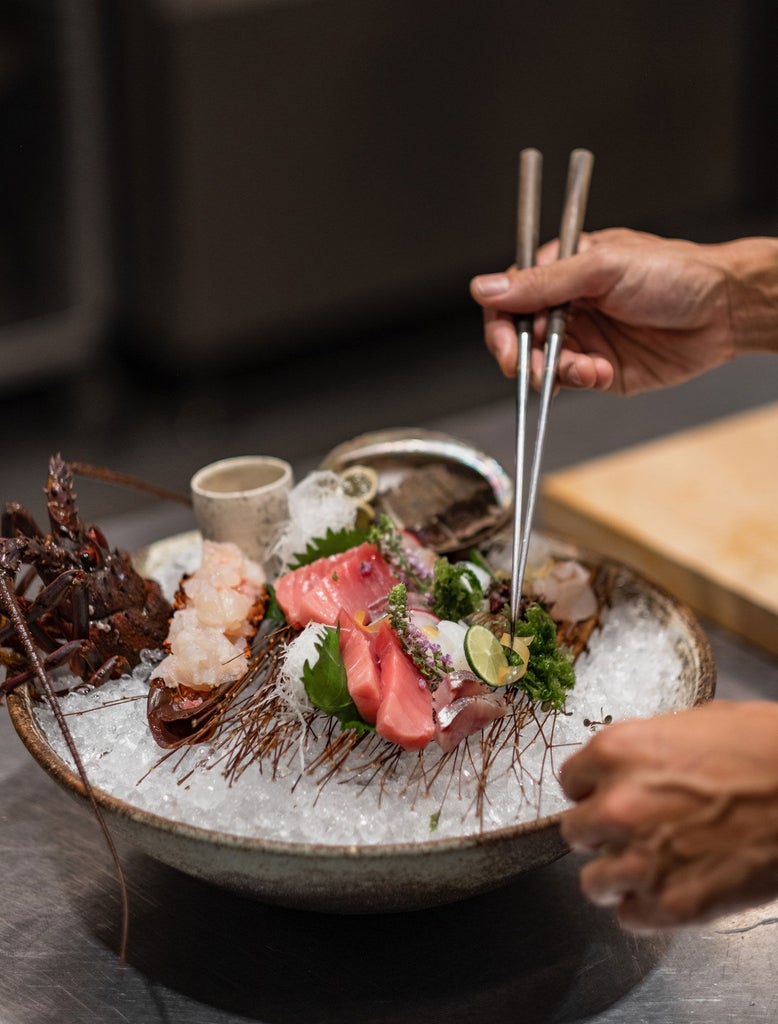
{"points": [[243, 500]]}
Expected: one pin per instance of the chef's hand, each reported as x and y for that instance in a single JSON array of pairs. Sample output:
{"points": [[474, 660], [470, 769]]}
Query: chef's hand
{"points": [[683, 811], [645, 313]]}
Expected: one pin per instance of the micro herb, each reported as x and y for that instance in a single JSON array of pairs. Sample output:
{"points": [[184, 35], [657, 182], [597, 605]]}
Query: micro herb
{"points": [[387, 538], [325, 684], [398, 609], [434, 820], [457, 591], [550, 673], [334, 542], [592, 723], [425, 654]]}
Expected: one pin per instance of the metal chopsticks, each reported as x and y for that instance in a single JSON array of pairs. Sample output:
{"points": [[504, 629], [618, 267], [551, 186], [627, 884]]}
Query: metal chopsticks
{"points": [[576, 195], [527, 232]]}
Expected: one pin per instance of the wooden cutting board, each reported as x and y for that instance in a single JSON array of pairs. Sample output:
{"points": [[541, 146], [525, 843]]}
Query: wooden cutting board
{"points": [[696, 511]]}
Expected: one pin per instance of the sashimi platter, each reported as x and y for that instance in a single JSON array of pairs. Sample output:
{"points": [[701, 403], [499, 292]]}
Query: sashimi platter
{"points": [[344, 718]]}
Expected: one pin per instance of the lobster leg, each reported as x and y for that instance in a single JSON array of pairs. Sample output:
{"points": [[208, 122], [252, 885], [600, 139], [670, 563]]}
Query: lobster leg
{"points": [[16, 521], [47, 599], [26, 580], [53, 660]]}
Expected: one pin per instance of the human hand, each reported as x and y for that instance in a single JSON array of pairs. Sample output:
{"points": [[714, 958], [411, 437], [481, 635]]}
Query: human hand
{"points": [[683, 810], [645, 312]]}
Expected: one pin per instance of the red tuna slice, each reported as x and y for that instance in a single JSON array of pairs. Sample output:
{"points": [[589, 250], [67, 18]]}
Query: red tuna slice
{"points": [[405, 712], [353, 581], [464, 705], [362, 675]]}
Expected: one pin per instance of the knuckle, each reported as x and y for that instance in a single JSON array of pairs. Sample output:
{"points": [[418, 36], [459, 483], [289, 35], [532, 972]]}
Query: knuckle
{"points": [[616, 806]]}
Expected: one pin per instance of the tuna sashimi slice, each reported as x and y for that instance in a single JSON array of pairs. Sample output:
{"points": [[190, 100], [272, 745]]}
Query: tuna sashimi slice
{"points": [[362, 675], [405, 712], [353, 580]]}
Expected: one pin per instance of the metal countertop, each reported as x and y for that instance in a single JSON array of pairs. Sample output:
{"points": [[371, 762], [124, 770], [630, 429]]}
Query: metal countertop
{"points": [[533, 951]]}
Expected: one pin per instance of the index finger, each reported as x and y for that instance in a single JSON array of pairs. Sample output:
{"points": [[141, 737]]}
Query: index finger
{"points": [[501, 340]]}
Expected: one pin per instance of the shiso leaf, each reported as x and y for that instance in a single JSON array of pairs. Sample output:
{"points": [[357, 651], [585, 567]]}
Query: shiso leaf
{"points": [[273, 612], [325, 684], [334, 542]]}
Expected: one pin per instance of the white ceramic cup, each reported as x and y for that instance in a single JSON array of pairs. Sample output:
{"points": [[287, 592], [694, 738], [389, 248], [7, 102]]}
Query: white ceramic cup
{"points": [[243, 500]]}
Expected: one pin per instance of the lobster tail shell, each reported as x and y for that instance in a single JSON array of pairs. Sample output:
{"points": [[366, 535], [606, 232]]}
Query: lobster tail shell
{"points": [[176, 718]]}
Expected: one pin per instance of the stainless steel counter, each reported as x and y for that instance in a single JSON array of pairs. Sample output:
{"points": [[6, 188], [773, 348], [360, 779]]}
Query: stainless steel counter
{"points": [[533, 951]]}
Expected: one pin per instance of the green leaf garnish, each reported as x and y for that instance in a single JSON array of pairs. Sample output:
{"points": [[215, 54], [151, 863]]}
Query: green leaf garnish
{"points": [[273, 612], [325, 684], [334, 542]]}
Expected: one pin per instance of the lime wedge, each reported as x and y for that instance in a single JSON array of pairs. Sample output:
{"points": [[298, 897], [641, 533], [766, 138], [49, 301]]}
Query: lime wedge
{"points": [[485, 654]]}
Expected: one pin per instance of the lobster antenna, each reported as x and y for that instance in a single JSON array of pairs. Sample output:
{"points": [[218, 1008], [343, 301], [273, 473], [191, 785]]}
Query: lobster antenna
{"points": [[15, 614], [113, 476]]}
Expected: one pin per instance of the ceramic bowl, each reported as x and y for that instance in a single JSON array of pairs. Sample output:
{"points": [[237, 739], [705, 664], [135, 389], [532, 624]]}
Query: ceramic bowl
{"points": [[367, 878]]}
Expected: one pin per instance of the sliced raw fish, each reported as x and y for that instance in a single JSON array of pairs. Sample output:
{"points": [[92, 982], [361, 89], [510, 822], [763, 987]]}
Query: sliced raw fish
{"points": [[405, 712], [464, 705], [362, 674], [353, 581]]}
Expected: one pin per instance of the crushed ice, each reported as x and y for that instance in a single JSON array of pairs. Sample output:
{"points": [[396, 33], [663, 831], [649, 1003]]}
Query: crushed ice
{"points": [[633, 670]]}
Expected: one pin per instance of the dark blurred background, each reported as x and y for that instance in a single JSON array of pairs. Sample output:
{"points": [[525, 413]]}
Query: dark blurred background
{"points": [[249, 225]]}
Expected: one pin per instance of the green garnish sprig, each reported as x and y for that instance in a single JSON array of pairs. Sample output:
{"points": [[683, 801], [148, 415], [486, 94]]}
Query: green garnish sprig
{"points": [[427, 656], [457, 591], [550, 674], [385, 535]]}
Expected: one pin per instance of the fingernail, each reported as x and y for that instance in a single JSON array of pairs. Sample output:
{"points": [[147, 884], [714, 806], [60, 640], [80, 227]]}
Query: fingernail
{"points": [[492, 285], [606, 899]]}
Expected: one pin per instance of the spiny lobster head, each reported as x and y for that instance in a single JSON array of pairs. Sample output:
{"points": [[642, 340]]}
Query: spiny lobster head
{"points": [[86, 547], [61, 498]]}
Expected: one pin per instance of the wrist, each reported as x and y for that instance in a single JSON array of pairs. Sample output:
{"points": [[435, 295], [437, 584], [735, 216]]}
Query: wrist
{"points": [[751, 268]]}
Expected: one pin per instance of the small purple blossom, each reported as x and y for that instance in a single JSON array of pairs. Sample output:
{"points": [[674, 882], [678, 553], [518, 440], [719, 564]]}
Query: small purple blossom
{"points": [[426, 655], [418, 569]]}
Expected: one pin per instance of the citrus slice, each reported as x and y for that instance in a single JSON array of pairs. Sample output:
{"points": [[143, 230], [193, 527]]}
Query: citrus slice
{"points": [[520, 646], [485, 654], [359, 483], [511, 674]]}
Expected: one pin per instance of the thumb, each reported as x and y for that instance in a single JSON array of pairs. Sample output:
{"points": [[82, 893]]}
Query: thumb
{"points": [[584, 275]]}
